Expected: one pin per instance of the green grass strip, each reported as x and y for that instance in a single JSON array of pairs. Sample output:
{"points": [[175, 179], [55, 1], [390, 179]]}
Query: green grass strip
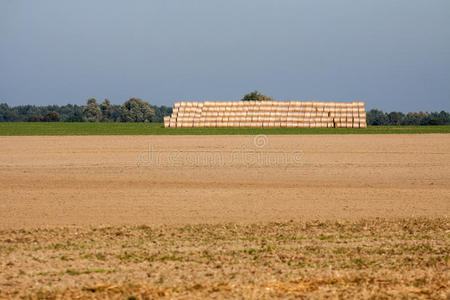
{"points": [[61, 128]]}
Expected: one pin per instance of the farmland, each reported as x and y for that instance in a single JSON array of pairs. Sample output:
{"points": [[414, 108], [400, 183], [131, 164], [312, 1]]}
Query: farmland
{"points": [[96, 128], [350, 259], [114, 216]]}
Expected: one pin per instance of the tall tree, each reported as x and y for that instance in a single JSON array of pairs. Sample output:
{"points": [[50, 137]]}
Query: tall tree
{"points": [[136, 110], [92, 112], [107, 111]]}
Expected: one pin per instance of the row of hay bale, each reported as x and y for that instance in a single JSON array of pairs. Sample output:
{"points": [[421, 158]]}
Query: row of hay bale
{"points": [[305, 114]]}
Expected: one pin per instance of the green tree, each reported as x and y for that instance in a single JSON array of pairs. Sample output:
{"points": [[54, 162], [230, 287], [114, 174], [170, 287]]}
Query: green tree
{"points": [[256, 96], [5, 112], [107, 111], [376, 117], [92, 112], [395, 118], [136, 110]]}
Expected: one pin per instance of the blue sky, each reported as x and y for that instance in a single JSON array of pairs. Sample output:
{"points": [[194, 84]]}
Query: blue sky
{"points": [[395, 54]]}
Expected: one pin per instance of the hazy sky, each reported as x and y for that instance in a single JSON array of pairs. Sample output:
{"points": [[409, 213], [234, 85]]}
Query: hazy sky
{"points": [[394, 54]]}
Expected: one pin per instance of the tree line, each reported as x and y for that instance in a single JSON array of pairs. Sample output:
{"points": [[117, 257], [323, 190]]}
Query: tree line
{"points": [[378, 117], [133, 110]]}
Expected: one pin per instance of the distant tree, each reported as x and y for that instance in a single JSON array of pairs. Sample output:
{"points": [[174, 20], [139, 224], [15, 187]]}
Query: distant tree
{"points": [[136, 110], [395, 118], [34, 119], [445, 117], [376, 117], [256, 96], [4, 112], [435, 118], [161, 112], [92, 112], [414, 118], [107, 111], [51, 116]]}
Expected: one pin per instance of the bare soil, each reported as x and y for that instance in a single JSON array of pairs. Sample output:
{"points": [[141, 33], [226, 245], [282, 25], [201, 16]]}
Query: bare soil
{"points": [[110, 180], [228, 216]]}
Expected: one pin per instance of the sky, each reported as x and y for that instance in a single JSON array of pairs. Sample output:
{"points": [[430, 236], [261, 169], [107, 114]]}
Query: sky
{"points": [[392, 54]]}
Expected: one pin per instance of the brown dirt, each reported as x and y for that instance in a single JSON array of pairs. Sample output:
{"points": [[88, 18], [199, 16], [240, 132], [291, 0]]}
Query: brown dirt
{"points": [[356, 216], [53, 181]]}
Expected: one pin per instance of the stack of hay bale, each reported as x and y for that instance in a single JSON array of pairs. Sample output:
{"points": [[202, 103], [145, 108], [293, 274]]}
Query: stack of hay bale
{"points": [[312, 114]]}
